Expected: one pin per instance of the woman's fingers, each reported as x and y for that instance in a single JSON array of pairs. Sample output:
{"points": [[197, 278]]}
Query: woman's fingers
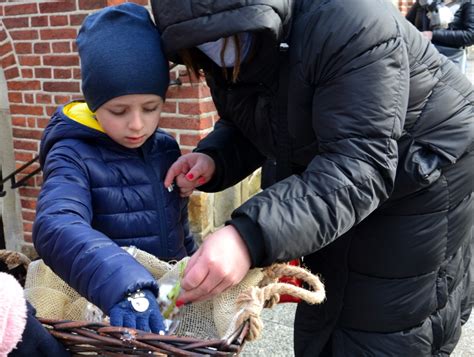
{"points": [[221, 262]]}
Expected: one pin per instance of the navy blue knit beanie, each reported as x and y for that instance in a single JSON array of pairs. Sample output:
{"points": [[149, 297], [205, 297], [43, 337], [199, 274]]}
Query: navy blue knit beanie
{"points": [[120, 51]]}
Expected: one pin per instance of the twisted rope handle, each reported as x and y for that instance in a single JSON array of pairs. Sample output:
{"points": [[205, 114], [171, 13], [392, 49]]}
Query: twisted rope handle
{"points": [[253, 300]]}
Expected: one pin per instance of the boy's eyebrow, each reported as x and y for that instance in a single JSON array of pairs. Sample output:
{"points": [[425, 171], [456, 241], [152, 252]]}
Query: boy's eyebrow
{"points": [[152, 101]]}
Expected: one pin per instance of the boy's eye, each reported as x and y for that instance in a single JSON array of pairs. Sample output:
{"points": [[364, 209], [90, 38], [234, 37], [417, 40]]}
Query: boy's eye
{"points": [[149, 110], [117, 112]]}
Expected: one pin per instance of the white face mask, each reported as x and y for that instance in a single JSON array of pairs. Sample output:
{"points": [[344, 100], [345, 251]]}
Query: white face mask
{"points": [[213, 49]]}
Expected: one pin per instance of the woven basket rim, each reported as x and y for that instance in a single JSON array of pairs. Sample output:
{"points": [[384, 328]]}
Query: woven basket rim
{"points": [[102, 339]]}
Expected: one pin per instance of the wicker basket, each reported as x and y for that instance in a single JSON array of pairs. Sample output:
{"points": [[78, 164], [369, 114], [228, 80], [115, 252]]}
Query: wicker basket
{"points": [[83, 338]]}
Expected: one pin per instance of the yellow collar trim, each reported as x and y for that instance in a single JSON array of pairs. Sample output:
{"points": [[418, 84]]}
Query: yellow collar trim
{"points": [[80, 112]]}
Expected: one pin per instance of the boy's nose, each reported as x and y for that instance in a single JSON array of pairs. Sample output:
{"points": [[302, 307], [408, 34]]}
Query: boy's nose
{"points": [[136, 122]]}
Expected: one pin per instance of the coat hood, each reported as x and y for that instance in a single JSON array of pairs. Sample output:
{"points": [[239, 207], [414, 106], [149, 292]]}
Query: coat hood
{"points": [[187, 23], [62, 127]]}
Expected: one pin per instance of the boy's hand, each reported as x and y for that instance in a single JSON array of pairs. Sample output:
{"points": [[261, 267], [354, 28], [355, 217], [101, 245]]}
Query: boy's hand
{"points": [[190, 171], [140, 310]]}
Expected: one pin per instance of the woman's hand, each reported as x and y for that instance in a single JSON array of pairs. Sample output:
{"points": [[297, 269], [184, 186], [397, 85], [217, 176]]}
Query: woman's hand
{"points": [[428, 34], [190, 171], [221, 262]]}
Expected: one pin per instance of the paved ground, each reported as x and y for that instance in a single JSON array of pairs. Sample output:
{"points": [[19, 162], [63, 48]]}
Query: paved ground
{"points": [[277, 340]]}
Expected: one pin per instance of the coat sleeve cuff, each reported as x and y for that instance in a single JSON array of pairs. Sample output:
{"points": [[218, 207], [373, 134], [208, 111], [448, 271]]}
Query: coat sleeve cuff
{"points": [[252, 237]]}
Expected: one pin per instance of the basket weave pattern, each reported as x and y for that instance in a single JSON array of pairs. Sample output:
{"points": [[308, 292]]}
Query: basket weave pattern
{"points": [[85, 338]]}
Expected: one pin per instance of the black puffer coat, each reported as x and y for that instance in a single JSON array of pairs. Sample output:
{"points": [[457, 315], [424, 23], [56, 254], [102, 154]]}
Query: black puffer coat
{"points": [[460, 32], [381, 200]]}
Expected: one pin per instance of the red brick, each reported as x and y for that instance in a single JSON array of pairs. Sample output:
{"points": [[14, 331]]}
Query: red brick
{"points": [[170, 107], [16, 22], [27, 226], [21, 9], [55, 34], [8, 60], [62, 99], [196, 108], [1, 11], [23, 156], [43, 98], [57, 6], [61, 86], [5, 48], [115, 2], [18, 121], [25, 145], [64, 60], [3, 35], [50, 110], [59, 47], [29, 60], [61, 73], [28, 98], [26, 109], [42, 47], [43, 72], [76, 19], [39, 180], [23, 48], [39, 21], [24, 85], [92, 4], [27, 73], [188, 91], [189, 140], [12, 73], [28, 192], [14, 97], [42, 122], [28, 237], [76, 73], [185, 123], [31, 204], [31, 122], [27, 133], [58, 20], [24, 35]]}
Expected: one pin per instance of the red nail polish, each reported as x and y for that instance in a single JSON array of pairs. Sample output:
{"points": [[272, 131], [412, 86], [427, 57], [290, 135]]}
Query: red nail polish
{"points": [[202, 180], [179, 303], [190, 176]]}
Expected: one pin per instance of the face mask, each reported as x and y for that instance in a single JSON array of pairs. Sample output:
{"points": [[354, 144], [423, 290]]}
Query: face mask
{"points": [[213, 49]]}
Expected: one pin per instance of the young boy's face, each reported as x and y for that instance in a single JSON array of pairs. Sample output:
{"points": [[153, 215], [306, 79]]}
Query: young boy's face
{"points": [[130, 119]]}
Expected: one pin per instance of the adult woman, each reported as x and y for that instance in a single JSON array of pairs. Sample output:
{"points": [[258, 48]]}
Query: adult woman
{"points": [[452, 36], [379, 145]]}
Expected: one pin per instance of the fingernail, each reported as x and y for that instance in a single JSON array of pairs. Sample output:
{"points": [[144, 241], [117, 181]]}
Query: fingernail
{"points": [[179, 303], [162, 333], [189, 176], [201, 180]]}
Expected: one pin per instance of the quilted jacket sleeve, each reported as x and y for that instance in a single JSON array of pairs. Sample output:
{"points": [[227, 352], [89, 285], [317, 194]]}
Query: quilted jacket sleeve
{"points": [[85, 258], [358, 69]]}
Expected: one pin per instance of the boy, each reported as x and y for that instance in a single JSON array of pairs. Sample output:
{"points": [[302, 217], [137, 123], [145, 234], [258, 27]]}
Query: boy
{"points": [[104, 162]]}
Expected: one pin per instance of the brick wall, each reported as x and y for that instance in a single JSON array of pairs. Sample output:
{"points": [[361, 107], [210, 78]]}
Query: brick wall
{"points": [[41, 67]]}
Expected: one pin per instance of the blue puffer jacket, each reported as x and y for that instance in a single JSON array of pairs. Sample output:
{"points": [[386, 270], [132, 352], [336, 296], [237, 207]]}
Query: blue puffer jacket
{"points": [[97, 196]]}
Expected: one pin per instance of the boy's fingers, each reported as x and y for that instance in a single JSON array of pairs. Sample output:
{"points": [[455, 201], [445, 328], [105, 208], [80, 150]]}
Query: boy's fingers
{"points": [[173, 171], [179, 167]]}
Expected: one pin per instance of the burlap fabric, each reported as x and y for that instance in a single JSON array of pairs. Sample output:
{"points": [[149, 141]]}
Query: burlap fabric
{"points": [[216, 318]]}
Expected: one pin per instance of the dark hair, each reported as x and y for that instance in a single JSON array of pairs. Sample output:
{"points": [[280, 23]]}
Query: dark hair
{"points": [[194, 69]]}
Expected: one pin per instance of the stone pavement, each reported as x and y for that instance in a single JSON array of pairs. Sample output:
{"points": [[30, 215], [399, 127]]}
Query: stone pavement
{"points": [[277, 338]]}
